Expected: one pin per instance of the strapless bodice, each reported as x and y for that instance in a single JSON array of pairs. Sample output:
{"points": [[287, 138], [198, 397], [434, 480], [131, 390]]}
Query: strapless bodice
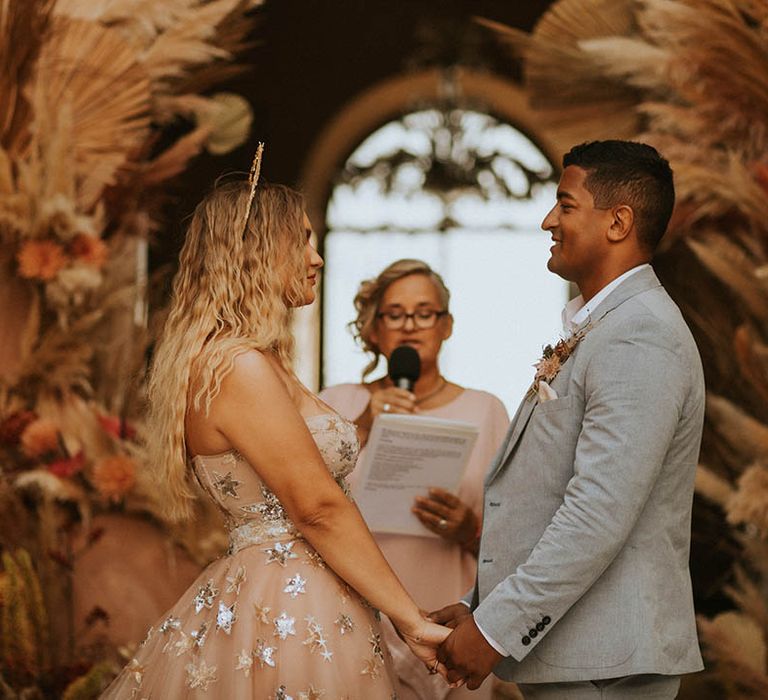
{"points": [[253, 513]]}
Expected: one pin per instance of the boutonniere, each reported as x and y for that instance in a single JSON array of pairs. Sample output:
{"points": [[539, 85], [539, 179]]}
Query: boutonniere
{"points": [[552, 360]]}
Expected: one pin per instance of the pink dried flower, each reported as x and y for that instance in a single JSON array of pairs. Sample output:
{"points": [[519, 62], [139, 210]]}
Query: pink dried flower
{"points": [[14, 425], [89, 249], [67, 467]]}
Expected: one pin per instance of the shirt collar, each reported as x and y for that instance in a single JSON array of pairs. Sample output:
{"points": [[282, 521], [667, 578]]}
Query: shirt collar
{"points": [[576, 311]]}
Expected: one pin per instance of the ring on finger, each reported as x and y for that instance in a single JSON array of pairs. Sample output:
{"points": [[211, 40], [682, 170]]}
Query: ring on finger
{"points": [[433, 669], [442, 523], [387, 407]]}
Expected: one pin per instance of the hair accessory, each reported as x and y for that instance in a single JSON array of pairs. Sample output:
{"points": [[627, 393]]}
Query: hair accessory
{"points": [[253, 181]]}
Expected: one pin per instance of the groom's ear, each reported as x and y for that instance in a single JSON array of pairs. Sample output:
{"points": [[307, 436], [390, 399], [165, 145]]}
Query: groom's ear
{"points": [[448, 331], [622, 222]]}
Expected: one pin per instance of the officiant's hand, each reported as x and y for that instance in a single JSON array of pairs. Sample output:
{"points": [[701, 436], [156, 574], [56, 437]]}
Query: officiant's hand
{"points": [[448, 516], [391, 399]]}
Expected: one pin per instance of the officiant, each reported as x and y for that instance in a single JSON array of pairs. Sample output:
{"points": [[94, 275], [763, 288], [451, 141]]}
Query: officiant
{"points": [[408, 304]]}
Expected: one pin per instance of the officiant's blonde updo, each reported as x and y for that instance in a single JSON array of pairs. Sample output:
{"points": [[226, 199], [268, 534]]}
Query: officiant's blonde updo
{"points": [[371, 292]]}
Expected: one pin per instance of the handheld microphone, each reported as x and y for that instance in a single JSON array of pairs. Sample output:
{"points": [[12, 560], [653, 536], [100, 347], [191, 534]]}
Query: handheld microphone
{"points": [[404, 367]]}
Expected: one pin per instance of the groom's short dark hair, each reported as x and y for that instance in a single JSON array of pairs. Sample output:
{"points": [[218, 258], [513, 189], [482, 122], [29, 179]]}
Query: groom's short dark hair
{"points": [[632, 173]]}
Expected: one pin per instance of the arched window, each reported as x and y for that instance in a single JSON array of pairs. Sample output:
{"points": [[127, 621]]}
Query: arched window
{"points": [[466, 192]]}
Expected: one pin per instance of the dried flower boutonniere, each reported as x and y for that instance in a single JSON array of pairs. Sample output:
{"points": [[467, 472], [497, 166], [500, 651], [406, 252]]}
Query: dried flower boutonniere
{"points": [[552, 360]]}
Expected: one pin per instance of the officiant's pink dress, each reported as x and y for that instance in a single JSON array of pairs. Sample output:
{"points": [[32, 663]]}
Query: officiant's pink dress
{"points": [[268, 621], [434, 571]]}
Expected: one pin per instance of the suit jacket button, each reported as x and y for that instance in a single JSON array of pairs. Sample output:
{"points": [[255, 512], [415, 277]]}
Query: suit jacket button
{"points": [[526, 640], [546, 619], [494, 503], [487, 561], [540, 626], [532, 633]]}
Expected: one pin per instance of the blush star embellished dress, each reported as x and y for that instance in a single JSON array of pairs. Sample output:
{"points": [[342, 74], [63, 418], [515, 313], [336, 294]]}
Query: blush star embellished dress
{"points": [[270, 620]]}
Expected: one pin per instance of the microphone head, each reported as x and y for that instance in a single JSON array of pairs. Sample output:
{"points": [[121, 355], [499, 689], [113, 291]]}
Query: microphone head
{"points": [[404, 367]]}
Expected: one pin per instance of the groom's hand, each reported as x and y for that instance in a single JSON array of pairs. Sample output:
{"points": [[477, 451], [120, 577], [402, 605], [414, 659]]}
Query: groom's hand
{"points": [[467, 655], [450, 615]]}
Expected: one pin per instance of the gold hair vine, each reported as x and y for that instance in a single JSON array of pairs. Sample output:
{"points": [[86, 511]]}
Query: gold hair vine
{"points": [[253, 181]]}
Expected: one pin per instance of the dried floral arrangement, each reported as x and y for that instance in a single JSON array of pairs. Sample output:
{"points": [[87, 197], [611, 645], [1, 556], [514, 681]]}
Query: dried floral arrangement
{"points": [[94, 95], [691, 77]]}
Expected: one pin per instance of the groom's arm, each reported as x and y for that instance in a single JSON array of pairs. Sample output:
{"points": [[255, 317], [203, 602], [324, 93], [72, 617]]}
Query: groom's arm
{"points": [[635, 388]]}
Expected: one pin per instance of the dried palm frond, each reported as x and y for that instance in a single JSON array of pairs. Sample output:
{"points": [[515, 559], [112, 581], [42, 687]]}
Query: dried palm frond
{"points": [[745, 434], [23, 27], [752, 356], [736, 646], [713, 487], [94, 73], [188, 42], [730, 264], [573, 98], [749, 505], [174, 160], [749, 598]]}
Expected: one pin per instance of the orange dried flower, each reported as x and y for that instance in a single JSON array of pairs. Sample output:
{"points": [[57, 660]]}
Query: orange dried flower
{"points": [[40, 259], [89, 249], [40, 437], [114, 476]]}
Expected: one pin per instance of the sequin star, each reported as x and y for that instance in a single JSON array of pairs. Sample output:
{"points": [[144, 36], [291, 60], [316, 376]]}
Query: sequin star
{"points": [[183, 644], [226, 485], [284, 625], [261, 613], [200, 676], [371, 669], [311, 694], [295, 585], [264, 654], [316, 640], [205, 596], [244, 662], [315, 559], [375, 641], [282, 694], [137, 671], [226, 617], [344, 623], [281, 553], [199, 635], [169, 624], [234, 582]]}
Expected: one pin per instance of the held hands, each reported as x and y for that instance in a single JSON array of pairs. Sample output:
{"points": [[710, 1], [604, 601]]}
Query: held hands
{"points": [[422, 639], [448, 516], [465, 654]]}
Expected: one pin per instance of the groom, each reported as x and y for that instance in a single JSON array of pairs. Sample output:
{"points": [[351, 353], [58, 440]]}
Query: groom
{"points": [[583, 588]]}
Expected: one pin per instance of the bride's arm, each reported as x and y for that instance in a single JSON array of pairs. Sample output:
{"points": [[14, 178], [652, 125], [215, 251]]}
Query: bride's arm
{"points": [[255, 414]]}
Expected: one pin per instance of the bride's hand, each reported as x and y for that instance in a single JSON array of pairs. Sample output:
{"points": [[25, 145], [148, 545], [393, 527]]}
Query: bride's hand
{"points": [[423, 639]]}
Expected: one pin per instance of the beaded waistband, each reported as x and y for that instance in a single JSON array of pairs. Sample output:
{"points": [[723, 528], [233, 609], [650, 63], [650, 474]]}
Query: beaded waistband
{"points": [[259, 532]]}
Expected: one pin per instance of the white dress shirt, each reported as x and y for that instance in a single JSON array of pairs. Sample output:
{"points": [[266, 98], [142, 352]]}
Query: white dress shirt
{"points": [[574, 314]]}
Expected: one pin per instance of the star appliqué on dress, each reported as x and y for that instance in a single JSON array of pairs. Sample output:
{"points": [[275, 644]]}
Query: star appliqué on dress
{"points": [[264, 654], [200, 676], [284, 625], [226, 485], [244, 662], [205, 596], [234, 582], [261, 613], [344, 623], [295, 585], [281, 553], [311, 694], [226, 617]]}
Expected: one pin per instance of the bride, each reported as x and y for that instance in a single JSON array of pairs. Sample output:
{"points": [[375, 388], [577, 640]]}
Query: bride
{"points": [[291, 611]]}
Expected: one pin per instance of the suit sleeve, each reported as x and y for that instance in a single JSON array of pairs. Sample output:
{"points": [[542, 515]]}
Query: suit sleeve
{"points": [[635, 387]]}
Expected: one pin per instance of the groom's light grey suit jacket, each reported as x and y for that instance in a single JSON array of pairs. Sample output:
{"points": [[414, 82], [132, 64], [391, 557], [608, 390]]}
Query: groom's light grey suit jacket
{"points": [[583, 565]]}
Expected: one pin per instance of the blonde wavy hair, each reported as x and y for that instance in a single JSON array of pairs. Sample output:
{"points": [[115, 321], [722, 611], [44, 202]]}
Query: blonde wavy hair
{"points": [[370, 293], [234, 290]]}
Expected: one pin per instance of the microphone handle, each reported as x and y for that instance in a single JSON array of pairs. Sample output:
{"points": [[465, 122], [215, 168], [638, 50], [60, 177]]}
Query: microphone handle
{"points": [[404, 383]]}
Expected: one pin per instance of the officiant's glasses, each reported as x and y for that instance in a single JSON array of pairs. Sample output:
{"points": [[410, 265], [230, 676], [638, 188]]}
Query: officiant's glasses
{"points": [[423, 319]]}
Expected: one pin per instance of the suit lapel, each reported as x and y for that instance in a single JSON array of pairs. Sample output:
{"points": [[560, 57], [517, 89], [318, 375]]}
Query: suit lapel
{"points": [[641, 281]]}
